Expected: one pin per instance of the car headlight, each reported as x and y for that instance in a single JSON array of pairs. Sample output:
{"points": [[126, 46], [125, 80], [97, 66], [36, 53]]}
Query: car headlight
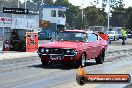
{"points": [[47, 50], [73, 52], [68, 51], [42, 50]]}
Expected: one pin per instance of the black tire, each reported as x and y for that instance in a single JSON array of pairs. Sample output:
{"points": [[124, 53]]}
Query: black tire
{"points": [[44, 63], [118, 38], [100, 58], [114, 38]]}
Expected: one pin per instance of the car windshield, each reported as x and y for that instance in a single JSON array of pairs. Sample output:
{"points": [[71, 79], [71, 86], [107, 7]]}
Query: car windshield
{"points": [[110, 32], [71, 36], [119, 32]]}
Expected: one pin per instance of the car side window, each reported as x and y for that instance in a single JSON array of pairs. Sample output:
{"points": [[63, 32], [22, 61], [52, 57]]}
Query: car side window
{"points": [[92, 37]]}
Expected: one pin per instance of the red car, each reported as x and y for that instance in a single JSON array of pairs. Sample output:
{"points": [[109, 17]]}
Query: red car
{"points": [[74, 46]]}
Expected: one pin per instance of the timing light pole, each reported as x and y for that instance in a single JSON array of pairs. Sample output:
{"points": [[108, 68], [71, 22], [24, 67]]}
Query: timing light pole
{"points": [[104, 3], [110, 3], [25, 4], [18, 4], [82, 15], [108, 15]]}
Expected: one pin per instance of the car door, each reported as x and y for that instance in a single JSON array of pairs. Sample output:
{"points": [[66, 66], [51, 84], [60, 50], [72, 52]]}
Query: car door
{"points": [[91, 45], [97, 45]]}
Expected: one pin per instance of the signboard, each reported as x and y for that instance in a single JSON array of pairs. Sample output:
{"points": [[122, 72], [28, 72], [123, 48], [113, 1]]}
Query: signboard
{"points": [[5, 22], [19, 23], [31, 24], [31, 41], [44, 23], [15, 10], [28, 22]]}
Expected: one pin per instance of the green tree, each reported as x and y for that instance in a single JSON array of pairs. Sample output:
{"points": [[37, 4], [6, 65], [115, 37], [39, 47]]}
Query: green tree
{"points": [[8, 4], [49, 2], [129, 18], [95, 16], [62, 3], [119, 17], [46, 2]]}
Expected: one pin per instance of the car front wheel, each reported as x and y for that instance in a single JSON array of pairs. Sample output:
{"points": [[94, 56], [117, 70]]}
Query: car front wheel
{"points": [[114, 38], [44, 63], [83, 60]]}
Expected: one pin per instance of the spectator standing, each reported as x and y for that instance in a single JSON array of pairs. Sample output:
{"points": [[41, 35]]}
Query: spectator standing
{"points": [[124, 34]]}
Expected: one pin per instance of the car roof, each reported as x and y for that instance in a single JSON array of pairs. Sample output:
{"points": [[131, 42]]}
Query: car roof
{"points": [[111, 31], [82, 31], [76, 30], [89, 32]]}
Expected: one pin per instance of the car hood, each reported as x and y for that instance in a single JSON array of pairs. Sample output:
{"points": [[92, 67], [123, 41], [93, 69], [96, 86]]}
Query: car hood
{"points": [[63, 44], [111, 35]]}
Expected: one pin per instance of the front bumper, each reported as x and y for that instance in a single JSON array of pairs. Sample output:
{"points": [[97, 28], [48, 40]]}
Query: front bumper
{"points": [[57, 57]]}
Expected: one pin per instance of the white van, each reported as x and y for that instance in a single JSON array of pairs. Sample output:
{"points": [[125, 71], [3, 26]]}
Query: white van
{"points": [[113, 35]]}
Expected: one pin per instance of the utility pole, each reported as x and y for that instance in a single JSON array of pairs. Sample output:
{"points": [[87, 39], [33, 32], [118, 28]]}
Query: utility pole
{"points": [[110, 3], [25, 16], [82, 18], [25, 4], [42, 2], [3, 34], [104, 3], [82, 15], [108, 25], [18, 4]]}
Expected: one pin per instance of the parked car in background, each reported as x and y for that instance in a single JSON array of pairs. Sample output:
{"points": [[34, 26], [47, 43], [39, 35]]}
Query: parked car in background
{"points": [[45, 34], [75, 46], [113, 35], [129, 34], [120, 34], [1, 38]]}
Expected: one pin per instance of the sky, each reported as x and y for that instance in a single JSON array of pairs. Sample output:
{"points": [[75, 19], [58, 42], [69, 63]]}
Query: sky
{"points": [[86, 3], [89, 2]]}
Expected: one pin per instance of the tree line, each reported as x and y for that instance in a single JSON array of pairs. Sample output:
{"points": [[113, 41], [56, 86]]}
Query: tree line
{"points": [[120, 16]]}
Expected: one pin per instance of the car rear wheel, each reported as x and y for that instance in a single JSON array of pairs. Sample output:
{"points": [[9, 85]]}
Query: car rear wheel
{"points": [[100, 58]]}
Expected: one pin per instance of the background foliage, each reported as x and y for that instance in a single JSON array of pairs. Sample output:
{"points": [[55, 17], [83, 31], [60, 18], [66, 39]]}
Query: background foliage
{"points": [[120, 16]]}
